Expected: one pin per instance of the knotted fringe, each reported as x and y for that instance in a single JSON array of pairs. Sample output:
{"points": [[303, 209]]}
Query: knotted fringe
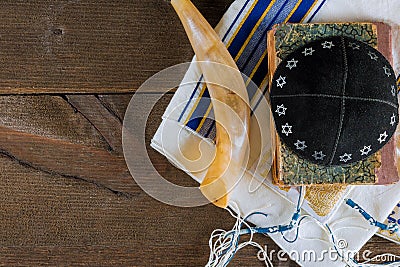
{"points": [[225, 244]]}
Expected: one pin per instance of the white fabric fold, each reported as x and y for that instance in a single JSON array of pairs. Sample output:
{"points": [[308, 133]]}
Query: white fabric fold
{"points": [[252, 195]]}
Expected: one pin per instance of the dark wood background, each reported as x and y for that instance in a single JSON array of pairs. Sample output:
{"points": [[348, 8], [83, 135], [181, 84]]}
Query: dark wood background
{"points": [[68, 71]]}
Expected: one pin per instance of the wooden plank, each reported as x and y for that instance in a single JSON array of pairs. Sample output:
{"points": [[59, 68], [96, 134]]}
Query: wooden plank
{"points": [[49, 215], [93, 154], [66, 202], [145, 253], [49, 117], [66, 196], [54, 220], [90, 46], [105, 122], [77, 137], [117, 104]]}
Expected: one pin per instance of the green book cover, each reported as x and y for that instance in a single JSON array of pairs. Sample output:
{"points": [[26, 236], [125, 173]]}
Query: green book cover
{"points": [[289, 169]]}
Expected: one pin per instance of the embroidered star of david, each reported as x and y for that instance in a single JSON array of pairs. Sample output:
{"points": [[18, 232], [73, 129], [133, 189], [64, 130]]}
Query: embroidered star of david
{"points": [[354, 46], [345, 157], [387, 71], [281, 81], [327, 44], [382, 137], [372, 55], [286, 129], [308, 51], [393, 91], [292, 64], [319, 155], [309, 89], [300, 145], [281, 110], [393, 120], [365, 150]]}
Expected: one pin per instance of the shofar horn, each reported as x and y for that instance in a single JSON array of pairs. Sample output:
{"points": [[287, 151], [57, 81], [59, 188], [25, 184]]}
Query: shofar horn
{"points": [[230, 103]]}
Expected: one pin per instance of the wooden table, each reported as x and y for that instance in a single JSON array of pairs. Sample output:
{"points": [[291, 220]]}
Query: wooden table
{"points": [[68, 71]]}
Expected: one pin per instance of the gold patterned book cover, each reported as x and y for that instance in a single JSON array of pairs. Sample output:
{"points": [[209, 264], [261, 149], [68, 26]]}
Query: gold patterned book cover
{"points": [[289, 169]]}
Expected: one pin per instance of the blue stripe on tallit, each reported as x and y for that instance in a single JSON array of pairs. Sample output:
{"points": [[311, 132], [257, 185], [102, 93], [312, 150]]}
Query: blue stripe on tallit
{"points": [[247, 27], [316, 11], [258, 45], [223, 40], [208, 123], [212, 131], [200, 110], [298, 15], [236, 45], [234, 49], [252, 52], [280, 11], [235, 20], [259, 75], [259, 100], [191, 97]]}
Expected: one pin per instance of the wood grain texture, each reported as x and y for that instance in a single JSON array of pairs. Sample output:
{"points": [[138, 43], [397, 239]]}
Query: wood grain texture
{"points": [[66, 196], [64, 202], [62, 46]]}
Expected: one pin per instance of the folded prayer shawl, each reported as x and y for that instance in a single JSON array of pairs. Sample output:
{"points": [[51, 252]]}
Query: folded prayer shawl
{"points": [[334, 101], [243, 29], [244, 37]]}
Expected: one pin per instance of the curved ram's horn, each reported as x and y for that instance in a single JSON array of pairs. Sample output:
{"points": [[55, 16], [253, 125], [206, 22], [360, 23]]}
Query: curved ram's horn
{"points": [[230, 102]]}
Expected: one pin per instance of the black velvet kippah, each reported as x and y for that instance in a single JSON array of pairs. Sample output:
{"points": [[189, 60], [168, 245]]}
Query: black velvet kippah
{"points": [[334, 101]]}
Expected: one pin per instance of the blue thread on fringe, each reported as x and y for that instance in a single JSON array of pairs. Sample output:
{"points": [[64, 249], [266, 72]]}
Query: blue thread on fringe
{"points": [[295, 222]]}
